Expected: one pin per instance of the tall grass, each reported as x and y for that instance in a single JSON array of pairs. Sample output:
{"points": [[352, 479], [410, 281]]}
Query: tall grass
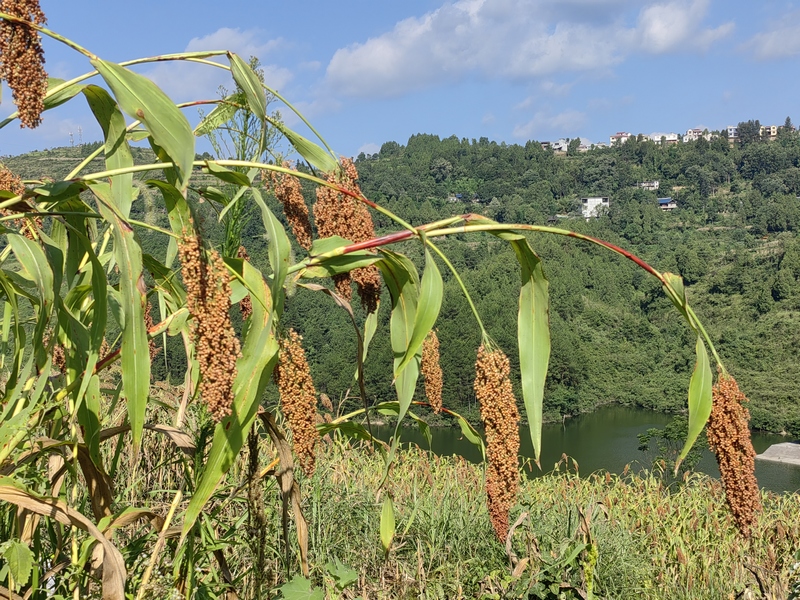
{"points": [[653, 541]]}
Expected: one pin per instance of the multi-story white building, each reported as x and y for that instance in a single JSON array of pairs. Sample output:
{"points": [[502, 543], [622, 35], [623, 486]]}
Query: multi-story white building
{"points": [[619, 138], [692, 135], [593, 207], [648, 185], [733, 132], [667, 138]]}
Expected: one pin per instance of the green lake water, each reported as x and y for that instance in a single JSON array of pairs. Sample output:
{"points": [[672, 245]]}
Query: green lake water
{"points": [[601, 440]]}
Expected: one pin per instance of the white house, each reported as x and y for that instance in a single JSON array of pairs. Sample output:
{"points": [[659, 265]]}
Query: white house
{"points": [[648, 185], [668, 138], [692, 135], [619, 138], [733, 132], [593, 207]]}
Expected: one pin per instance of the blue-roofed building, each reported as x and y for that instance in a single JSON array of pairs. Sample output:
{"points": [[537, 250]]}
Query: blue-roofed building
{"points": [[667, 204]]}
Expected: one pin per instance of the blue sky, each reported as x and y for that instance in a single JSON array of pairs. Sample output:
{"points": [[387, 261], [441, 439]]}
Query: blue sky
{"points": [[511, 70]]}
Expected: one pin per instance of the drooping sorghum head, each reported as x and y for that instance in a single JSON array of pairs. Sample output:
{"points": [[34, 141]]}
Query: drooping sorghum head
{"points": [[298, 399], [340, 214], [208, 300], [288, 192], [500, 418], [432, 371], [22, 59], [729, 438]]}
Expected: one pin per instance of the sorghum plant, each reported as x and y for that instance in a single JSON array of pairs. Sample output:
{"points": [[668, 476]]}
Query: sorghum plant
{"points": [[79, 405]]}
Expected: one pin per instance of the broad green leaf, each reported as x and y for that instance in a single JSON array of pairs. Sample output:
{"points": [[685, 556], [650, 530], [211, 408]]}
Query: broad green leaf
{"points": [[214, 194], [300, 588], [279, 252], [143, 100], [117, 151], [700, 399], [340, 264], [470, 433], [53, 99], [370, 327], [36, 268], [226, 175], [88, 406], [308, 149], [166, 281], [533, 337], [178, 211], [253, 372], [248, 81], [135, 353], [387, 524], [341, 573], [59, 190], [222, 113], [19, 559], [428, 305], [328, 244], [533, 331], [402, 279], [676, 283]]}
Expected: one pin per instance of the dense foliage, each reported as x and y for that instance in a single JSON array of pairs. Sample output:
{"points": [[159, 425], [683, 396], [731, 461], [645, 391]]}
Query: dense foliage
{"points": [[733, 239], [614, 338]]}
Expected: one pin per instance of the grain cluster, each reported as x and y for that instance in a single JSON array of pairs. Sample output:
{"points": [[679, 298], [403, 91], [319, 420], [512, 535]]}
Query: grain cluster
{"points": [[298, 399], [729, 438], [500, 419], [432, 371], [340, 214], [289, 194], [10, 182], [22, 59], [216, 345]]}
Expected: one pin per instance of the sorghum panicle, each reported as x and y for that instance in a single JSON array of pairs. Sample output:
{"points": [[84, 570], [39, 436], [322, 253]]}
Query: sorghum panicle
{"points": [[343, 215], [10, 182], [298, 399], [216, 345], [246, 303], [288, 192], [22, 59], [432, 371], [729, 438], [500, 419]]}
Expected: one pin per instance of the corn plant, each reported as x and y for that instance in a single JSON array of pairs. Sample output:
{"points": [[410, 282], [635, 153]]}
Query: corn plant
{"points": [[82, 424]]}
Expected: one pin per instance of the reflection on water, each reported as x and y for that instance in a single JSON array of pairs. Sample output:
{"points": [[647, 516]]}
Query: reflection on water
{"points": [[603, 440]]}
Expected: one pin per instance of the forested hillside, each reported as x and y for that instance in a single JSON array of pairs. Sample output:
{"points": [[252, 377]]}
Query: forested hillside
{"points": [[615, 337]]}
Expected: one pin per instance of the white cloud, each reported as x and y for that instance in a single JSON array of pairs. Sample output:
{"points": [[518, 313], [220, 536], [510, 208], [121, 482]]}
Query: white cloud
{"points": [[488, 118], [517, 40], [543, 122], [555, 89], [780, 40], [673, 25], [184, 81], [368, 148]]}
